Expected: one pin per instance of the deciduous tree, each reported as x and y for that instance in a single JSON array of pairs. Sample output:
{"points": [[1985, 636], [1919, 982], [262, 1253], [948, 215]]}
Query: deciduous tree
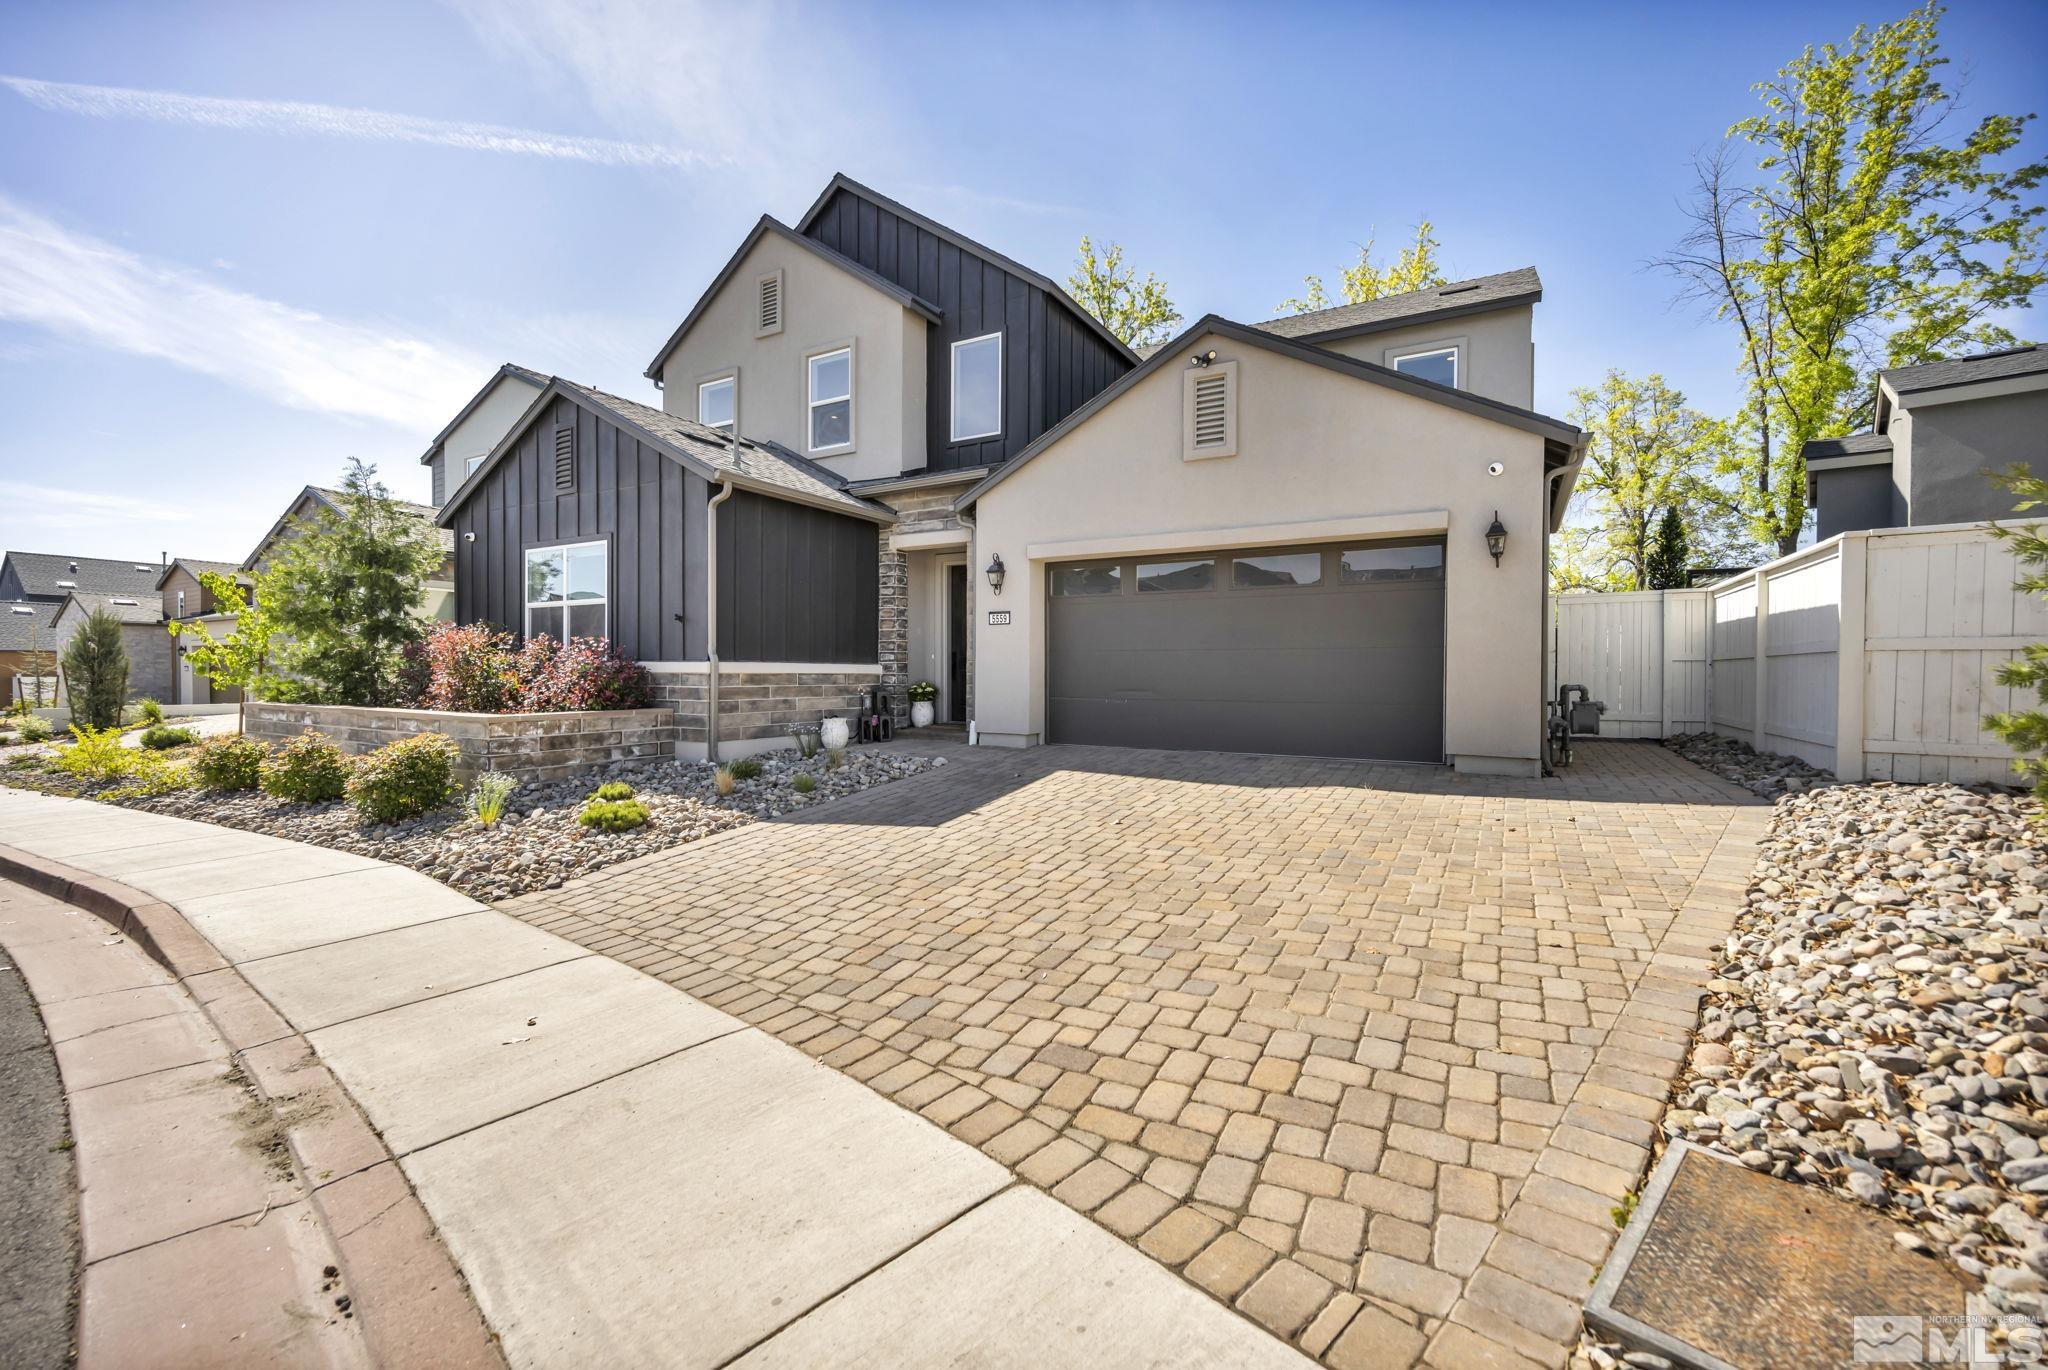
{"points": [[1414, 269], [1138, 311], [239, 660]]}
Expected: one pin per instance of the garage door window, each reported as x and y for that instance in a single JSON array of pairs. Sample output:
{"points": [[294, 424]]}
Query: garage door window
{"points": [[1070, 582], [1278, 570], [1175, 575], [1361, 565]]}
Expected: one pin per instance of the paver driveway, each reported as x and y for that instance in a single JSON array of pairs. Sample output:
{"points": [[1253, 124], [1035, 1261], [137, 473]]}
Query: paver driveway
{"points": [[1367, 1052]]}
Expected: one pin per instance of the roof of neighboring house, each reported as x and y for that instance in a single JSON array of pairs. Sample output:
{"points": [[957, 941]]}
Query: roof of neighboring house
{"points": [[1528, 420], [532, 378], [2028, 360], [331, 501], [841, 181], [51, 575], [765, 467], [1854, 445], [130, 609], [197, 569], [25, 624], [1474, 296], [765, 226]]}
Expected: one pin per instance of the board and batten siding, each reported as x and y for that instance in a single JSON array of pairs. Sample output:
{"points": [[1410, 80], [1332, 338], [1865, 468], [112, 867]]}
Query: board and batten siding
{"points": [[1053, 363], [796, 583]]}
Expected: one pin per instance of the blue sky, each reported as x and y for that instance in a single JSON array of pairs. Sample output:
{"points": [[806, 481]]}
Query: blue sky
{"points": [[208, 302]]}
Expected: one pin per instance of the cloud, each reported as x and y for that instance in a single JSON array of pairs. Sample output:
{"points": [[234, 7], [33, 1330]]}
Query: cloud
{"points": [[48, 506], [1014, 203], [334, 121], [86, 290]]}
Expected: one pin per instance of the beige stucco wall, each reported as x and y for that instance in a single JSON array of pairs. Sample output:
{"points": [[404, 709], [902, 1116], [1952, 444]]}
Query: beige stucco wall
{"points": [[1497, 352], [823, 307], [484, 429], [1316, 450]]}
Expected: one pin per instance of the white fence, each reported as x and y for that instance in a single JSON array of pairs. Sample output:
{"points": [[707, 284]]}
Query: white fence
{"points": [[1870, 655]]}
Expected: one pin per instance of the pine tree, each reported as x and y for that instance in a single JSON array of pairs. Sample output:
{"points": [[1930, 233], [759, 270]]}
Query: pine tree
{"points": [[2026, 730], [1664, 568], [96, 671]]}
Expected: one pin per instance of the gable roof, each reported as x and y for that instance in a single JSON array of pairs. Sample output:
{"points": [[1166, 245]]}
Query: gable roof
{"points": [[532, 378], [197, 567], [1449, 301], [763, 467], [1987, 366], [129, 609], [1528, 420], [765, 226], [841, 181], [1854, 445], [40, 572], [330, 500], [27, 631]]}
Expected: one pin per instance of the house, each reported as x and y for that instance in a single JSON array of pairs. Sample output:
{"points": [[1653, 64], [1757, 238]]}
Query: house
{"points": [[27, 652], [35, 586], [1939, 429], [885, 452], [142, 633], [186, 600], [460, 448], [438, 597]]}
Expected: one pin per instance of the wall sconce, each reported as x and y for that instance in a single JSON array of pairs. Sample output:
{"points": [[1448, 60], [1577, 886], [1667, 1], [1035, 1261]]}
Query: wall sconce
{"points": [[1497, 538], [996, 573]]}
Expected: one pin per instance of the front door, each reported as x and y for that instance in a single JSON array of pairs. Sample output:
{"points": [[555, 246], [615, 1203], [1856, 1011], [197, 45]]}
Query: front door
{"points": [[956, 643]]}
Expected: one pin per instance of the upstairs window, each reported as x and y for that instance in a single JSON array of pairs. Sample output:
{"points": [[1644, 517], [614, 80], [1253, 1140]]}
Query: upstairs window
{"points": [[978, 388], [716, 402], [567, 589], [832, 400], [181, 604], [1439, 364], [469, 465]]}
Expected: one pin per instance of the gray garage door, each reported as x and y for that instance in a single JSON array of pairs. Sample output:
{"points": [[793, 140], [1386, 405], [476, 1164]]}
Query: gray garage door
{"points": [[1311, 651]]}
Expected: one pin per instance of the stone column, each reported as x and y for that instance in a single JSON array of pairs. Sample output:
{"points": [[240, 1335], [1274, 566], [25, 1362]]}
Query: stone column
{"points": [[893, 629]]}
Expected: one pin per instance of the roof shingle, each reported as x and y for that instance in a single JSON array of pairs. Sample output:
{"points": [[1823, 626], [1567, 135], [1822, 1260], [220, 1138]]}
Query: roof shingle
{"points": [[25, 624], [41, 572], [1519, 286], [1989, 366]]}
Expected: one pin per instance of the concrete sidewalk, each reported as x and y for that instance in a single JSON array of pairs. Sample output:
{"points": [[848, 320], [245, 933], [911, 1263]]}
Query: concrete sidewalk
{"points": [[624, 1174]]}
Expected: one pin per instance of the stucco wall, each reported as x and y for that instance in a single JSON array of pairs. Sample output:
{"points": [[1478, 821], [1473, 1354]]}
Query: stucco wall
{"points": [[1326, 453], [1497, 352], [1854, 498], [823, 307], [476, 435], [1954, 444]]}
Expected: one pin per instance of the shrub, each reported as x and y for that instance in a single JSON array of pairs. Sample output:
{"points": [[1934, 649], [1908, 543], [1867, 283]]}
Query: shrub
{"points": [[612, 789], [470, 669], [803, 784], [96, 671], [404, 779], [722, 781], [309, 769], [158, 738], [746, 768], [488, 797], [35, 728], [835, 757], [151, 711], [587, 673], [228, 763], [613, 815], [96, 755]]}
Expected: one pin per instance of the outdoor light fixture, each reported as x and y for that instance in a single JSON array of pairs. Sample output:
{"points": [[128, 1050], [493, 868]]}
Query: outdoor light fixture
{"points": [[1497, 538], [995, 573], [1202, 358], [469, 537]]}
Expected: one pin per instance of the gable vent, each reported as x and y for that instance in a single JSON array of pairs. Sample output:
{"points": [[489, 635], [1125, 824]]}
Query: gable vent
{"points": [[565, 458], [1209, 410], [768, 304], [1212, 410]]}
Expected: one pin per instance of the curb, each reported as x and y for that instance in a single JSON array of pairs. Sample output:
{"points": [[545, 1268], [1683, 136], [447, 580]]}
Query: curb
{"points": [[413, 1303]]}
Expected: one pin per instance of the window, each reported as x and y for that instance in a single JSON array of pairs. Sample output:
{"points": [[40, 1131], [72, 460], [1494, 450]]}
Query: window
{"points": [[1283, 568], [832, 400], [715, 402], [469, 466], [978, 387], [181, 604], [1209, 411], [1072, 581], [1439, 365], [566, 590], [768, 304], [1360, 565], [1175, 575]]}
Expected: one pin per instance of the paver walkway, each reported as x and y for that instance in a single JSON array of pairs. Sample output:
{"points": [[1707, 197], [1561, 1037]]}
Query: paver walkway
{"points": [[1366, 1052]]}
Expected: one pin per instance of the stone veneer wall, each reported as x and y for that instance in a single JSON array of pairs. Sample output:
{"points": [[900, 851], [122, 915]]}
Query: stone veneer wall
{"points": [[929, 510], [531, 747], [757, 705]]}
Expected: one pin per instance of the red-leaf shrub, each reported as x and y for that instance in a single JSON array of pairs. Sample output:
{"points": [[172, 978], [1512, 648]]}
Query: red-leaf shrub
{"points": [[584, 673], [470, 669]]}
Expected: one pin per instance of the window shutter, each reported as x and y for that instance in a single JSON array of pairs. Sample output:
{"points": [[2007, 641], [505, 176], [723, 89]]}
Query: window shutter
{"points": [[768, 304], [1209, 411], [565, 458]]}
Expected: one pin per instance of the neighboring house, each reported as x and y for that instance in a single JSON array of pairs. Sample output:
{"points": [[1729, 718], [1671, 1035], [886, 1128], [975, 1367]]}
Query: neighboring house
{"points": [[437, 600], [1268, 538], [1939, 429], [142, 633], [27, 649], [477, 428], [35, 586], [187, 600]]}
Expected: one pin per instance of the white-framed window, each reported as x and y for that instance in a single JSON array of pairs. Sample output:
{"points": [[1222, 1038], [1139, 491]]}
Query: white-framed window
{"points": [[181, 604], [470, 464], [831, 392], [568, 590], [1439, 364], [718, 401], [978, 387]]}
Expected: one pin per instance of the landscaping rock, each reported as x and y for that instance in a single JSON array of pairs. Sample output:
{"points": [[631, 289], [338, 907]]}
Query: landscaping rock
{"points": [[1758, 772]]}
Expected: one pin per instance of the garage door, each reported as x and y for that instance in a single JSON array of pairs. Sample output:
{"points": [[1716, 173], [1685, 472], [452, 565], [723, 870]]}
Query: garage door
{"points": [[1309, 651]]}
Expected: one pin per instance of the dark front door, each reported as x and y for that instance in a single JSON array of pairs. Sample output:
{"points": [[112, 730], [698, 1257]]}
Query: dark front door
{"points": [[956, 644]]}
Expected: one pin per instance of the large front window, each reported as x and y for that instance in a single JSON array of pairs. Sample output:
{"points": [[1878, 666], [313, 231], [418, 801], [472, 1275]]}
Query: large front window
{"points": [[978, 388], [832, 400], [566, 590]]}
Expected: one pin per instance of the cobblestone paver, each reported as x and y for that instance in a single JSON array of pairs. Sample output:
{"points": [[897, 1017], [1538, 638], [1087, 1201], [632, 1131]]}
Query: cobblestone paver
{"points": [[1367, 1052]]}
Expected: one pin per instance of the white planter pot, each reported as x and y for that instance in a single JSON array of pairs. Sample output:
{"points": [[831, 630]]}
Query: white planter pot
{"points": [[835, 732], [921, 714]]}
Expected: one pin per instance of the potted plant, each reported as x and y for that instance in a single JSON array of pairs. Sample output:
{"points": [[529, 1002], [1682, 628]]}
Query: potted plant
{"points": [[923, 696]]}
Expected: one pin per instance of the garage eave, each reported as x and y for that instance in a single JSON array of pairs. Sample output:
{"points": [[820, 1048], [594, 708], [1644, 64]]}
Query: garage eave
{"points": [[1421, 522]]}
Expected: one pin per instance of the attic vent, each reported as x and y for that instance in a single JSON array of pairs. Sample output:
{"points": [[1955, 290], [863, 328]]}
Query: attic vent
{"points": [[140, 567], [23, 609], [67, 584], [1212, 410], [768, 304], [1209, 411], [565, 458], [119, 600], [1458, 289]]}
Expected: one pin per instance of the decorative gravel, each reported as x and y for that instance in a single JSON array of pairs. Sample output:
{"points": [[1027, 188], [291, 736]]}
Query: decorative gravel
{"points": [[1761, 773], [538, 844]]}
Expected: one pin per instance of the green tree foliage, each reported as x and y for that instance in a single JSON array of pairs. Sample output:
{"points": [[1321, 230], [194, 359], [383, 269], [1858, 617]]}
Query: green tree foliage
{"points": [[1138, 311], [344, 594], [1414, 269], [96, 671], [2026, 730], [1647, 455], [1867, 233], [1665, 568], [239, 660], [1578, 561]]}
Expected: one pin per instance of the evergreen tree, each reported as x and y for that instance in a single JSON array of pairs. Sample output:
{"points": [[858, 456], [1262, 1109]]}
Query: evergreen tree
{"points": [[96, 671], [1664, 568], [2026, 730]]}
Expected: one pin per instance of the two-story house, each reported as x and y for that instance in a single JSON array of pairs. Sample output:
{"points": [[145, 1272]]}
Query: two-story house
{"points": [[186, 599], [885, 452], [47, 596]]}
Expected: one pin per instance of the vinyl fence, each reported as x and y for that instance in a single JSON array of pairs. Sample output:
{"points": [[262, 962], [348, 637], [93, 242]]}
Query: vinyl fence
{"points": [[1870, 655]]}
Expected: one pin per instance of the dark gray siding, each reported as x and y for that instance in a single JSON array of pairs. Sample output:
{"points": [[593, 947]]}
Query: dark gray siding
{"points": [[1955, 444], [1855, 499], [795, 583], [626, 492], [1053, 363]]}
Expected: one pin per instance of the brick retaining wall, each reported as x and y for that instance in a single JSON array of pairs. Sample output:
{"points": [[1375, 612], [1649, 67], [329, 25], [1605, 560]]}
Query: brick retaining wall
{"points": [[531, 747], [755, 706]]}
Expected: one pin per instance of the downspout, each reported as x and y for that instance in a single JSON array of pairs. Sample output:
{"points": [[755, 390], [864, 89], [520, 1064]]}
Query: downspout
{"points": [[711, 604], [973, 555], [1543, 602]]}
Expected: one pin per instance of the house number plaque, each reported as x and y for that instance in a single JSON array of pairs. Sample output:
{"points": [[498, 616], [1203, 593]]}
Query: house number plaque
{"points": [[998, 618]]}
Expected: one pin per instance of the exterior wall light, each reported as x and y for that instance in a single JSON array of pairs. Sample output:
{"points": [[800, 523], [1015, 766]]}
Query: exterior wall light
{"points": [[1497, 538], [1203, 358], [469, 537], [996, 573]]}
